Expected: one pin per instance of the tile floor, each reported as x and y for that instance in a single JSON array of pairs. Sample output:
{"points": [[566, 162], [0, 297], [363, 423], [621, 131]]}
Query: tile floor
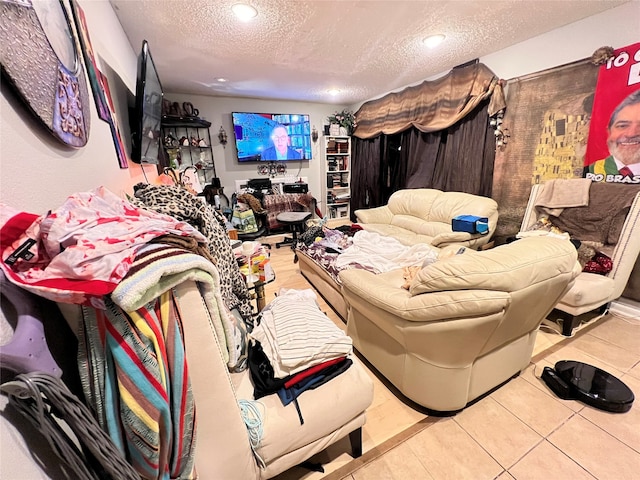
{"points": [[521, 431]]}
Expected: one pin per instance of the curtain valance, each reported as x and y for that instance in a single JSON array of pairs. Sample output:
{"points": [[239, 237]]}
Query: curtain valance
{"points": [[432, 105]]}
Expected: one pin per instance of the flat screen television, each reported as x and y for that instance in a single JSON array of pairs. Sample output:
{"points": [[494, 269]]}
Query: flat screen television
{"points": [[267, 137], [146, 116]]}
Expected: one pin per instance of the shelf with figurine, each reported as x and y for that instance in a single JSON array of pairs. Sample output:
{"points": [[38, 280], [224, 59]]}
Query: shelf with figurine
{"points": [[188, 143]]}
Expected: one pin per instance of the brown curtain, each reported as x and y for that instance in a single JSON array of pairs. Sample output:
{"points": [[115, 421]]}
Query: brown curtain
{"points": [[366, 174], [433, 105], [459, 158]]}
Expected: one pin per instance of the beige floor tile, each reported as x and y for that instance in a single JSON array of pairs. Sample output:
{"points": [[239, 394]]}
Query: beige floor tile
{"points": [[505, 476], [635, 371], [401, 463], [620, 331], [498, 431], [624, 426], [386, 420], [570, 352], [613, 355], [601, 454], [545, 340], [532, 375], [448, 452], [539, 410], [546, 462]]}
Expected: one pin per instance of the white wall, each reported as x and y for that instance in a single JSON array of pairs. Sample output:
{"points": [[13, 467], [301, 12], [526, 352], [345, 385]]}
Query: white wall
{"points": [[615, 28]]}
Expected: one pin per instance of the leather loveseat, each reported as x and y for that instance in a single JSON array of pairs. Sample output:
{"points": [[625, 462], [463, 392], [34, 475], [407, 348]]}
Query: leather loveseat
{"points": [[468, 322], [424, 215]]}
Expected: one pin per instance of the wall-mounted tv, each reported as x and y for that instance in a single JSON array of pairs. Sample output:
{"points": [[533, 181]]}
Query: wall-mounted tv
{"points": [[267, 137], [145, 117]]}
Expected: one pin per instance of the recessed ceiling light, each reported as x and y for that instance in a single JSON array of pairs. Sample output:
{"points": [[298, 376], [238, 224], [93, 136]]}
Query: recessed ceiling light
{"points": [[433, 40], [244, 12], [334, 91], [221, 80]]}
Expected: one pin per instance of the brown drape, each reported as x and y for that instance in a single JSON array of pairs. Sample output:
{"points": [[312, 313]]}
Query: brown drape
{"points": [[366, 174], [433, 105], [459, 158]]}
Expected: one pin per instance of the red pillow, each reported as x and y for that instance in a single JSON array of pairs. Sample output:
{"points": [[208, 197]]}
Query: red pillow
{"points": [[599, 263]]}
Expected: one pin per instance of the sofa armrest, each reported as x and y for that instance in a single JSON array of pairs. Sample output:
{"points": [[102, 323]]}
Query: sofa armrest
{"points": [[375, 291], [443, 239], [374, 215]]}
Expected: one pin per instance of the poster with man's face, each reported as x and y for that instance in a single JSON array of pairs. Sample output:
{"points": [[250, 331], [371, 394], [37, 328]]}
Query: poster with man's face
{"points": [[613, 148]]}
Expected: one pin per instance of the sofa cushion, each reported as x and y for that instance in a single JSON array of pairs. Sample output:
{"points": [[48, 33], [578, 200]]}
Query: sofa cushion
{"points": [[351, 391], [589, 289], [501, 268], [413, 202]]}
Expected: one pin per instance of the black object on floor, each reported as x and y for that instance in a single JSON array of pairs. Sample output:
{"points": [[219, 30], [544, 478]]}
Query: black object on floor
{"points": [[571, 380]]}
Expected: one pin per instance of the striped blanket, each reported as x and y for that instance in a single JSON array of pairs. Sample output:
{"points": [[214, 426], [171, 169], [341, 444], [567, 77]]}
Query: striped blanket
{"points": [[132, 361], [134, 374]]}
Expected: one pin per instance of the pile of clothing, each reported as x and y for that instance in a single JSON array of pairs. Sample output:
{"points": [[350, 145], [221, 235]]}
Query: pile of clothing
{"points": [[295, 347]]}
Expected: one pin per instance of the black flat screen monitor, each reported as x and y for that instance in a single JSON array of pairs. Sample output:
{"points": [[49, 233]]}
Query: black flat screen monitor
{"points": [[147, 114]]}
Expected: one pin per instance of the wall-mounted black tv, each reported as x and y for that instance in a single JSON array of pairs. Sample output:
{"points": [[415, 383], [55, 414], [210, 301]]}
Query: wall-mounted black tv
{"points": [[146, 116], [268, 137]]}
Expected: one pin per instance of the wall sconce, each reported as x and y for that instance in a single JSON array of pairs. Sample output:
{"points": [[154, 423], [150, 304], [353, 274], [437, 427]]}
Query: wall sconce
{"points": [[314, 134], [222, 136]]}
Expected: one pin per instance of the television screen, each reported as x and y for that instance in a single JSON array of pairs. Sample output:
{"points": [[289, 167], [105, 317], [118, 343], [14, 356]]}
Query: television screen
{"points": [[266, 137], [147, 114]]}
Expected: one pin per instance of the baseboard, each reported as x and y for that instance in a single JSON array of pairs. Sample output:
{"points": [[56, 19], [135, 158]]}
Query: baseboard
{"points": [[625, 307]]}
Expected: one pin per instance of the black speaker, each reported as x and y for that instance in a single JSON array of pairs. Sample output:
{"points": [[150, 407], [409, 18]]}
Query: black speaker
{"points": [[259, 183], [295, 188]]}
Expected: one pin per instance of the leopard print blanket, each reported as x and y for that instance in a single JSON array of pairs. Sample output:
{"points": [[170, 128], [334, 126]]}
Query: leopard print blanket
{"points": [[179, 203]]}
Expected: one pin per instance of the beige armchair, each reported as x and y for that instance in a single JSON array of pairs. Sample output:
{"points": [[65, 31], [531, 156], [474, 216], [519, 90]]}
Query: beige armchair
{"points": [[467, 324], [622, 243]]}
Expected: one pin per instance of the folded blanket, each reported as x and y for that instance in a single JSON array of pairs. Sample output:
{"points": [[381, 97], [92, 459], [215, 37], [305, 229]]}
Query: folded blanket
{"points": [[157, 268], [555, 195], [602, 220]]}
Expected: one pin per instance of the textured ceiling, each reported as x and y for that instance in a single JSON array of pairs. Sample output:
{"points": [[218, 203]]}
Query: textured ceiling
{"points": [[298, 50]]}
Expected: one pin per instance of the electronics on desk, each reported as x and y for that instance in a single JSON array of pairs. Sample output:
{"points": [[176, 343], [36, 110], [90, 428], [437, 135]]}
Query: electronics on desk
{"points": [[259, 184], [295, 188]]}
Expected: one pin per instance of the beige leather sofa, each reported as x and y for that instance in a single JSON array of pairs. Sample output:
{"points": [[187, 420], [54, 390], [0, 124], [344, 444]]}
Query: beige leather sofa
{"points": [[592, 291], [331, 412], [424, 216], [468, 322]]}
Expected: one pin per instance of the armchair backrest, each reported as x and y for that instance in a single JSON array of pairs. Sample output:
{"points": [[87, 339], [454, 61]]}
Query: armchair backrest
{"points": [[535, 272]]}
